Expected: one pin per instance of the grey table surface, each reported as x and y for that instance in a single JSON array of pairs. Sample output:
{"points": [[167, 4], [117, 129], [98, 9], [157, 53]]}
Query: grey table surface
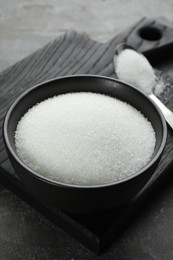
{"points": [[25, 26]]}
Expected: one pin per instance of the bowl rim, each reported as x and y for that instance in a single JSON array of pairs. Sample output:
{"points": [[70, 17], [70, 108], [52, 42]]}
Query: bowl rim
{"points": [[78, 186]]}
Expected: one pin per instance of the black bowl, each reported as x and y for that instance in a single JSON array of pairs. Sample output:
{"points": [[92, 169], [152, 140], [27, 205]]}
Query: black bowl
{"points": [[76, 198]]}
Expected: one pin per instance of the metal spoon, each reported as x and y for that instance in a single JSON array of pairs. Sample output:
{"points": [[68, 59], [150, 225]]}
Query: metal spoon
{"points": [[166, 112]]}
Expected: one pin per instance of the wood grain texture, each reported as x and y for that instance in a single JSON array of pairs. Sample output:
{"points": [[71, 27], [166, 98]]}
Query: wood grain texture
{"points": [[73, 53]]}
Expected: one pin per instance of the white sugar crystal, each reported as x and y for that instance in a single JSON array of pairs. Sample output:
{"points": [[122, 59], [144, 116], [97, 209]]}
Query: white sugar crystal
{"points": [[134, 68], [160, 87], [84, 138]]}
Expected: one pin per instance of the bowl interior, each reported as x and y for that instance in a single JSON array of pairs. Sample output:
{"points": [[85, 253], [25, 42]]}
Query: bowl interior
{"points": [[95, 84]]}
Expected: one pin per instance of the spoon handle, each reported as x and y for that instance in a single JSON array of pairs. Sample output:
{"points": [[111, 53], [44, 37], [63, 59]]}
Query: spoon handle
{"points": [[166, 112]]}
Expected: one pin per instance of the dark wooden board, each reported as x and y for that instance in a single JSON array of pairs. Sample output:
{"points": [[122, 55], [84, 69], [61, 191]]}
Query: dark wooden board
{"points": [[73, 53]]}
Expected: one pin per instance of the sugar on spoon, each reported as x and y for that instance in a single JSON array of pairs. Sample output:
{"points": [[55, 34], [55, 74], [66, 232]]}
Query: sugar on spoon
{"points": [[132, 67]]}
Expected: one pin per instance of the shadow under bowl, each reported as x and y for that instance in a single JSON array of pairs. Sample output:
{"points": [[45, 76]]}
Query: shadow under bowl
{"points": [[76, 198]]}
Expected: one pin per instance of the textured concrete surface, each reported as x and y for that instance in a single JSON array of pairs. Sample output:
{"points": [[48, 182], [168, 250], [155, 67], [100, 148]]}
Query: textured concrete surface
{"points": [[26, 25]]}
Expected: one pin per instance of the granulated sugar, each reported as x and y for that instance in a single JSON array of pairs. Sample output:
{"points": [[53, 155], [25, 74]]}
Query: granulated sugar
{"points": [[134, 68], [84, 138], [160, 86]]}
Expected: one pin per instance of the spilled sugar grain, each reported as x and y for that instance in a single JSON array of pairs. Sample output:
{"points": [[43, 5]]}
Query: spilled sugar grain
{"points": [[161, 85], [84, 138]]}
